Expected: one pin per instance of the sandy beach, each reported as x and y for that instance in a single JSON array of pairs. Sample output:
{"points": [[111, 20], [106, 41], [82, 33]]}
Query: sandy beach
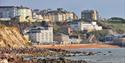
{"points": [[72, 46]]}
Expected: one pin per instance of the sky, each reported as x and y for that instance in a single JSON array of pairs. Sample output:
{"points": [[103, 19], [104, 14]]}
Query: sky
{"points": [[106, 8]]}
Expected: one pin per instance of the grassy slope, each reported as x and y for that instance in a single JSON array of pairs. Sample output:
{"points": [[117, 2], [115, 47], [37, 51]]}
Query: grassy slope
{"points": [[117, 26]]}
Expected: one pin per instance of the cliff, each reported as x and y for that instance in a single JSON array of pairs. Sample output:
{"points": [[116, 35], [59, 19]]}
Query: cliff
{"points": [[11, 37]]}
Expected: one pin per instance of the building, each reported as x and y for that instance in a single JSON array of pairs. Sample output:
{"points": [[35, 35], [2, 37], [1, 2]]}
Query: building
{"points": [[41, 34], [74, 39], [74, 26], [112, 37], [24, 13], [84, 26], [20, 13], [37, 17], [89, 26], [7, 12], [90, 15], [58, 15], [67, 39], [61, 39]]}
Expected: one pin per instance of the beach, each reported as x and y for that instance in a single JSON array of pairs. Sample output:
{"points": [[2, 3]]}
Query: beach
{"points": [[75, 46]]}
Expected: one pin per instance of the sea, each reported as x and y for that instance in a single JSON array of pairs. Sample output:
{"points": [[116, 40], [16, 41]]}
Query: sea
{"points": [[103, 55]]}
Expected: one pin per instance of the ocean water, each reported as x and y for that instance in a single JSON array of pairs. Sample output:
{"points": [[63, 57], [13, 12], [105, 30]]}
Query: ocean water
{"points": [[103, 55]]}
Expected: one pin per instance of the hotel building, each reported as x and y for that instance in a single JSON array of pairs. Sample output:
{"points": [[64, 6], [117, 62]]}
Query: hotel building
{"points": [[41, 34]]}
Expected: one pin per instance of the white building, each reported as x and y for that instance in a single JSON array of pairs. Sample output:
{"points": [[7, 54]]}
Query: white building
{"points": [[90, 26], [41, 34], [37, 17], [24, 13], [81, 26]]}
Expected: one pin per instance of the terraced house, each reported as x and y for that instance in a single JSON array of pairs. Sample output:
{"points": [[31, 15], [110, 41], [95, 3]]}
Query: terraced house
{"points": [[58, 15]]}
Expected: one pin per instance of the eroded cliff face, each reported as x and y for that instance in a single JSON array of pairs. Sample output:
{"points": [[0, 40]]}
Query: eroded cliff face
{"points": [[11, 37]]}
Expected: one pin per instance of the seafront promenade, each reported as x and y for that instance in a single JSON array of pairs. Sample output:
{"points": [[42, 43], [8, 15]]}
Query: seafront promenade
{"points": [[73, 46]]}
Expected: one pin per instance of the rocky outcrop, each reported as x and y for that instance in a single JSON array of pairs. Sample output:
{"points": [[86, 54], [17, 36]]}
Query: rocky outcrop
{"points": [[11, 37]]}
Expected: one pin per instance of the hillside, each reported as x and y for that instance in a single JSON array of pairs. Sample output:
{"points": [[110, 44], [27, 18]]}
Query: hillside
{"points": [[11, 37], [119, 27]]}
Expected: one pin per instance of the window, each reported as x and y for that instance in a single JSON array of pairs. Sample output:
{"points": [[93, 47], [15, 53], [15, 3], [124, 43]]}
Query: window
{"points": [[1, 15]]}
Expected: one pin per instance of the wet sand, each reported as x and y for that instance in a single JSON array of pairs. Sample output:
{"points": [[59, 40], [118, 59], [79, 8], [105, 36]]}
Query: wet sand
{"points": [[72, 46]]}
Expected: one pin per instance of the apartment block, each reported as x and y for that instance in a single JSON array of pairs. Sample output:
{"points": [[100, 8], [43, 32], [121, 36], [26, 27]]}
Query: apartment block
{"points": [[58, 15], [41, 34], [8, 12], [84, 26], [90, 15], [19, 13], [24, 14]]}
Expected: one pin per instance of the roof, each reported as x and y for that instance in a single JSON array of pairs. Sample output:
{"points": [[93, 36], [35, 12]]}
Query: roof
{"points": [[89, 11], [47, 12], [20, 7], [56, 11], [73, 36], [7, 6]]}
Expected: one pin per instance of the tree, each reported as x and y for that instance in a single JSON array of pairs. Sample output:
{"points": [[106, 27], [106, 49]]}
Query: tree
{"points": [[100, 33], [117, 19]]}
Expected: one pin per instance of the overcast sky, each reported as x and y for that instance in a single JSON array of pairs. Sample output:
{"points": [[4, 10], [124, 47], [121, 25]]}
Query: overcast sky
{"points": [[106, 8]]}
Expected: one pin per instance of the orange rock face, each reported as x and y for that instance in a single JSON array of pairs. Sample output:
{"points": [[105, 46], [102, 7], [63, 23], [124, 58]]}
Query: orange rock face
{"points": [[11, 37]]}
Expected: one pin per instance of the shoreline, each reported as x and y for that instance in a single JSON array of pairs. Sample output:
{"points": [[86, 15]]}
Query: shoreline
{"points": [[75, 46]]}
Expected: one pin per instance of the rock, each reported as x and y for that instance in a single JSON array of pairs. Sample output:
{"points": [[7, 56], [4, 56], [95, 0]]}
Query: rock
{"points": [[90, 53], [109, 52]]}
